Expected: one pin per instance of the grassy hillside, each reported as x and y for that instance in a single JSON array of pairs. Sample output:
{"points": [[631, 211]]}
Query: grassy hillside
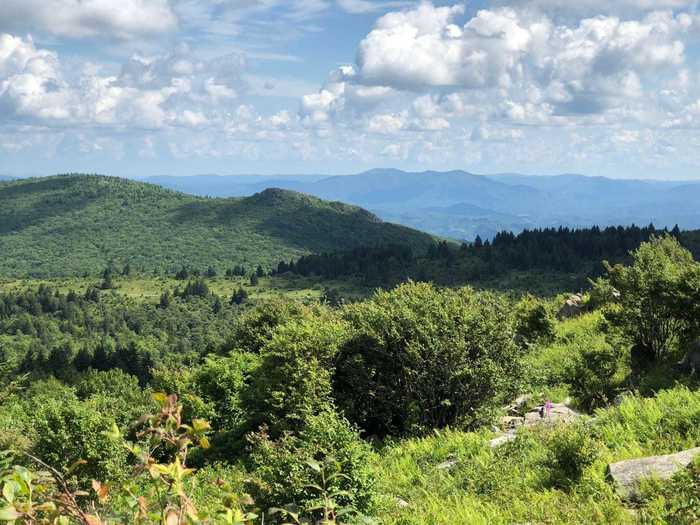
{"points": [[76, 224]]}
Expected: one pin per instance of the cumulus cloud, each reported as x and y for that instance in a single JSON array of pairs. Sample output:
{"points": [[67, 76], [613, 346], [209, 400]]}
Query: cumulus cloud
{"points": [[175, 89], [88, 18], [524, 57]]}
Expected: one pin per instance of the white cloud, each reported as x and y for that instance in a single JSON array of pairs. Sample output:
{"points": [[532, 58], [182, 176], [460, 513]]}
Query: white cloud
{"points": [[88, 18], [523, 58], [175, 89], [366, 6]]}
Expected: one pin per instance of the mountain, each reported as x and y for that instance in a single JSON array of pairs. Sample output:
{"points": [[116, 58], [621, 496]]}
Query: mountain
{"points": [[73, 224], [462, 205]]}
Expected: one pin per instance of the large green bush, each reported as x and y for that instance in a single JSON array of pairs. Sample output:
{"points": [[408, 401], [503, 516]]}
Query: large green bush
{"points": [[293, 381], [420, 358], [649, 309], [283, 474], [71, 431]]}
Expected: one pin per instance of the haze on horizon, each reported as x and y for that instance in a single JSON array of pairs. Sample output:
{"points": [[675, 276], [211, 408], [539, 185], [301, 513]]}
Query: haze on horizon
{"points": [[182, 87]]}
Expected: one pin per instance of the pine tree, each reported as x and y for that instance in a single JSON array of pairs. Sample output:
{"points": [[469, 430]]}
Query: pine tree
{"points": [[165, 300]]}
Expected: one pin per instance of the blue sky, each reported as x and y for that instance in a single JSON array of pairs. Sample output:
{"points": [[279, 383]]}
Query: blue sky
{"points": [[145, 87]]}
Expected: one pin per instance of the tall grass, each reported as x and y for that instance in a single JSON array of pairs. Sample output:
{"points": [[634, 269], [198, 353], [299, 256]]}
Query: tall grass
{"points": [[548, 475]]}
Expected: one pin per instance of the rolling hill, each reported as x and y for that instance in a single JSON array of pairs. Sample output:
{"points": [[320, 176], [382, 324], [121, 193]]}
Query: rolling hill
{"points": [[76, 224], [462, 205]]}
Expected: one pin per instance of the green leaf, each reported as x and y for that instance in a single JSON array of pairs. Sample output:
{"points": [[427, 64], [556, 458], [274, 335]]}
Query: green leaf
{"points": [[9, 489], [314, 465], [9, 514]]}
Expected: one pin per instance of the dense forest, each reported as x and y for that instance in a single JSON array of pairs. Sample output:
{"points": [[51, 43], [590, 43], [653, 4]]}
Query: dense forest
{"points": [[194, 407], [574, 253], [72, 225]]}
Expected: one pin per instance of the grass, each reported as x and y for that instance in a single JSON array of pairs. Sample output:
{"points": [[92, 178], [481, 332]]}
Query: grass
{"points": [[521, 482], [149, 289]]}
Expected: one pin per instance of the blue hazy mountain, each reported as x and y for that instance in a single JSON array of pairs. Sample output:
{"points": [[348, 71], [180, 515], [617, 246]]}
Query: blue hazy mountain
{"points": [[461, 205]]}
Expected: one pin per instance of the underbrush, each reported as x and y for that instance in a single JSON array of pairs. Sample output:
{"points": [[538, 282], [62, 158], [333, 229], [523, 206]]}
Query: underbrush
{"points": [[547, 475]]}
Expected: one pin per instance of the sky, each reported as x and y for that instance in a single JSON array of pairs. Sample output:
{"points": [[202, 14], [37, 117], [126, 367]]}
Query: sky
{"points": [[184, 87]]}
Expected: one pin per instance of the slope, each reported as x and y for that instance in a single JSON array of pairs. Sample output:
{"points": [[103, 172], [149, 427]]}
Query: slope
{"points": [[75, 224]]}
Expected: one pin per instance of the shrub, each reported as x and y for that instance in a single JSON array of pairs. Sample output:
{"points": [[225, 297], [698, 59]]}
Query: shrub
{"points": [[674, 502], [255, 327], [420, 358], [533, 321], [285, 469], [649, 309], [69, 431], [593, 376], [293, 381], [571, 450]]}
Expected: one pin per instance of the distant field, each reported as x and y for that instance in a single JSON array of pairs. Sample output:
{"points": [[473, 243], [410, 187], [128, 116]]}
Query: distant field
{"points": [[149, 289]]}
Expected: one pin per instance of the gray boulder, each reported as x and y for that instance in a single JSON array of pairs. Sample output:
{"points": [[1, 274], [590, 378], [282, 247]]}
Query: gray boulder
{"points": [[573, 307], [626, 475]]}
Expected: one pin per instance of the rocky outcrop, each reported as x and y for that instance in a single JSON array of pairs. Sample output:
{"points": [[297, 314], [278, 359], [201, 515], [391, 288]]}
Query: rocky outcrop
{"points": [[627, 475], [558, 413], [573, 307]]}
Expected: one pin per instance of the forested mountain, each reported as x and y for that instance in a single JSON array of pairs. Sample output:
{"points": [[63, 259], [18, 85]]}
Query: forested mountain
{"points": [[462, 205], [75, 224]]}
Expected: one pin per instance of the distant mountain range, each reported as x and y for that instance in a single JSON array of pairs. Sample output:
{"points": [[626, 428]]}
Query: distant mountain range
{"points": [[71, 225], [461, 205]]}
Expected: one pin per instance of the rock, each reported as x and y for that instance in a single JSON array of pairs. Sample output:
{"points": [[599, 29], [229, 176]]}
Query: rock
{"points": [[447, 465], [573, 307], [626, 475], [559, 413], [502, 440], [402, 503], [510, 422]]}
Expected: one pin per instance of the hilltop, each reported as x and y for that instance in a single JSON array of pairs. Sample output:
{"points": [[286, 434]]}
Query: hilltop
{"points": [[70, 225]]}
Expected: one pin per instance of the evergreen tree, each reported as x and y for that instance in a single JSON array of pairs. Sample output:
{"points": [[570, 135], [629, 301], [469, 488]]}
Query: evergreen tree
{"points": [[165, 299]]}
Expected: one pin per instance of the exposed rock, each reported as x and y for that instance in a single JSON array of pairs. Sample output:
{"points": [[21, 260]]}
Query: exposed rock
{"points": [[558, 413], [502, 440], [573, 307], [511, 422], [402, 503], [447, 465], [626, 475]]}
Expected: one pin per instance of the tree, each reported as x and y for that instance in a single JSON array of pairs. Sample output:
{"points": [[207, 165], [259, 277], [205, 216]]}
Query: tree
{"points": [[648, 307], [165, 299], [259, 271], [211, 272], [107, 279], [240, 296], [421, 358], [254, 279]]}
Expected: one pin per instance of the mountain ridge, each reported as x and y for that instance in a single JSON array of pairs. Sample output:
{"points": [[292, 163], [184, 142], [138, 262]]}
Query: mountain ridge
{"points": [[511, 201], [72, 224]]}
